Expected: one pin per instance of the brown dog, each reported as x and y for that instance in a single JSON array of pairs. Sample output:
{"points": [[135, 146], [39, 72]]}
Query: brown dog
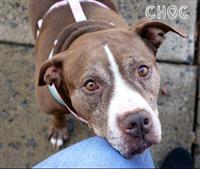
{"points": [[104, 71]]}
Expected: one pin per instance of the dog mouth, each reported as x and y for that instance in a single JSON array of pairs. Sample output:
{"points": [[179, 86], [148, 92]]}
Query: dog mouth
{"points": [[140, 148]]}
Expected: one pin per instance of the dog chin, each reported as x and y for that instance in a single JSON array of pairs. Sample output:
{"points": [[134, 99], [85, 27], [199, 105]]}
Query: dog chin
{"points": [[138, 149], [128, 147]]}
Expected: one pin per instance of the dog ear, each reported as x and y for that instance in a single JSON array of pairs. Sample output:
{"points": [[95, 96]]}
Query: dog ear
{"points": [[51, 71], [153, 32]]}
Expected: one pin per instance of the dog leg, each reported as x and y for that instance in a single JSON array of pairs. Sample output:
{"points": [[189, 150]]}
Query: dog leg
{"points": [[58, 132]]}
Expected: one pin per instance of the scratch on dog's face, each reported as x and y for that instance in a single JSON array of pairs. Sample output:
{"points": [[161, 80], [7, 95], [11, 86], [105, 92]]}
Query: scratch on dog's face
{"points": [[113, 69]]}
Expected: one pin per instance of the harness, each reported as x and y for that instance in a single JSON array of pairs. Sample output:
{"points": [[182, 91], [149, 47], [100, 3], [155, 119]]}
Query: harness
{"points": [[80, 18]]}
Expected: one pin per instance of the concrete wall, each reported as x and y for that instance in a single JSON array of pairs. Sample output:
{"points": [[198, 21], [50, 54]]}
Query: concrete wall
{"points": [[24, 129]]}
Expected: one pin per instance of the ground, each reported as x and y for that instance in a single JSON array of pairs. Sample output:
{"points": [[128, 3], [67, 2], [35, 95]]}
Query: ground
{"points": [[24, 128]]}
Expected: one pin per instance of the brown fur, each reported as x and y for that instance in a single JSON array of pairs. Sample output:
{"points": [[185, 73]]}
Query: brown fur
{"points": [[81, 54], [49, 32]]}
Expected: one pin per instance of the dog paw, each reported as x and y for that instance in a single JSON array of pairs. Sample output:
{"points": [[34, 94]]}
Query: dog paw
{"points": [[58, 136]]}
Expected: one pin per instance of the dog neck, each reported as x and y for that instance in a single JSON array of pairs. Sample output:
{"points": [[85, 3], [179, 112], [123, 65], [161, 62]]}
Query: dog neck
{"points": [[72, 32]]}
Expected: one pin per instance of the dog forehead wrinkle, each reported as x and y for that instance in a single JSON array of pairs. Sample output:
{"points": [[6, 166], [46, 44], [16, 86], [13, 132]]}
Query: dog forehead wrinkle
{"points": [[97, 70]]}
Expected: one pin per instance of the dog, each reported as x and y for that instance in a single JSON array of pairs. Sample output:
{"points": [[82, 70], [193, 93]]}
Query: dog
{"points": [[91, 63]]}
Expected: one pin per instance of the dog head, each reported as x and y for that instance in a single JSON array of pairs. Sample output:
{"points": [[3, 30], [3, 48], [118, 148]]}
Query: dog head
{"points": [[112, 79]]}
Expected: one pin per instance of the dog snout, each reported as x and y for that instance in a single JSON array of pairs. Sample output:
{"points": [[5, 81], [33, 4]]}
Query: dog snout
{"points": [[137, 124]]}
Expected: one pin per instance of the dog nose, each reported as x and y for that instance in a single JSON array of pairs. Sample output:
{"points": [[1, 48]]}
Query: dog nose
{"points": [[137, 124]]}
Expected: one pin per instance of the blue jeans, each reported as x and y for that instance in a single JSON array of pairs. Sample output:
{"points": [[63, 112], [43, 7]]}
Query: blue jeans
{"points": [[95, 152]]}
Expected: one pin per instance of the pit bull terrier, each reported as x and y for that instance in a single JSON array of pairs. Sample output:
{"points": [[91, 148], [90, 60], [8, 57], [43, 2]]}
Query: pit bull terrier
{"points": [[90, 63]]}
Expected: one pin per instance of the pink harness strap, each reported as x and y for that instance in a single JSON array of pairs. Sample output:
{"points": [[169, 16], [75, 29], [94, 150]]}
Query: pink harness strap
{"points": [[77, 10]]}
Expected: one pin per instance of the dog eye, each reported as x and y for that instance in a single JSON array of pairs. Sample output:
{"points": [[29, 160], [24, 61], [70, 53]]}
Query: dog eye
{"points": [[143, 70], [90, 85]]}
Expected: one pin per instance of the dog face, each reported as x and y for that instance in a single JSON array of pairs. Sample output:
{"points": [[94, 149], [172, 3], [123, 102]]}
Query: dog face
{"points": [[112, 79]]}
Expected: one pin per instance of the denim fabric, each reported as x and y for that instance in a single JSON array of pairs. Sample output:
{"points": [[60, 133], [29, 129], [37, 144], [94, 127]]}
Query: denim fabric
{"points": [[95, 152]]}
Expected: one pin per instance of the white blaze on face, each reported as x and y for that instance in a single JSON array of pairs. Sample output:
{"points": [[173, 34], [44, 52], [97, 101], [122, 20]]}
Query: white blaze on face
{"points": [[125, 99]]}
